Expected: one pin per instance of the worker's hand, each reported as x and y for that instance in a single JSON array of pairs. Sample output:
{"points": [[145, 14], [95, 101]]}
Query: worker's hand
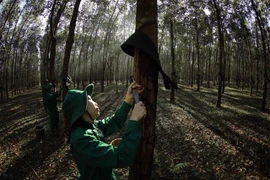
{"points": [[139, 111], [116, 142], [129, 95]]}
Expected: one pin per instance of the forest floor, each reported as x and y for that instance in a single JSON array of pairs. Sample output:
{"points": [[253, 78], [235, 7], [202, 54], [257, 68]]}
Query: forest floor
{"points": [[195, 140]]}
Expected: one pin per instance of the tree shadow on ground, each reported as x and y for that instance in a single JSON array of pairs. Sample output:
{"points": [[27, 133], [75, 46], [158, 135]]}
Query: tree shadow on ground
{"points": [[228, 123], [33, 155], [171, 148], [25, 105], [24, 156]]}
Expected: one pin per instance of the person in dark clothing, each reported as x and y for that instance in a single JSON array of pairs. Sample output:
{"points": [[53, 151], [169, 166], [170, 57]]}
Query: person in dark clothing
{"points": [[94, 157], [51, 106]]}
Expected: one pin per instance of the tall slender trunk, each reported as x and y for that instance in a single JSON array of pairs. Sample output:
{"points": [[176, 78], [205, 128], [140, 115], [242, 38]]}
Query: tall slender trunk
{"points": [[209, 67], [106, 46], [221, 50], [68, 48], [265, 76], [192, 66], [198, 54], [257, 60], [188, 73], [173, 74], [229, 65], [91, 74], [224, 69], [146, 74], [53, 30]]}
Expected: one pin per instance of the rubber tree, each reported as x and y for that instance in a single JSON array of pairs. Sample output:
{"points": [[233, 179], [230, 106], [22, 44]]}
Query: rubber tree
{"points": [[173, 75], [68, 48], [54, 20], [221, 52], [146, 74], [262, 30]]}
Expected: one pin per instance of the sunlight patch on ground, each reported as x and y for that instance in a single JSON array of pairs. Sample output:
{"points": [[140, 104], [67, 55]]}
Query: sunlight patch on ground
{"points": [[239, 110]]}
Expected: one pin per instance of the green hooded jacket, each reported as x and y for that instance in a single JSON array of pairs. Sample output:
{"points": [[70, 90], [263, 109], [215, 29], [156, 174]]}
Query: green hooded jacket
{"points": [[51, 101], [95, 159]]}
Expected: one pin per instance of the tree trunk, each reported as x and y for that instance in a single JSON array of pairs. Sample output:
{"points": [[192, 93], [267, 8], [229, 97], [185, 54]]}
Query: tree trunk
{"points": [[162, 33], [198, 54], [87, 72], [5, 19], [116, 72], [229, 65], [91, 74], [146, 74], [188, 69], [173, 74], [45, 59], [68, 48], [215, 65], [6, 82], [81, 67], [224, 70], [127, 71], [53, 30], [209, 66], [192, 66], [258, 17], [221, 50], [106, 46], [238, 67], [52, 53], [257, 60], [243, 68]]}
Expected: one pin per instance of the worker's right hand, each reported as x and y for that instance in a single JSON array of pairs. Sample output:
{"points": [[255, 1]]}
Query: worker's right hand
{"points": [[139, 111]]}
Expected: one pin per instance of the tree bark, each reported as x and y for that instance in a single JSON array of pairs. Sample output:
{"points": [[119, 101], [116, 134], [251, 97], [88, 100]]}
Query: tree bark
{"points": [[192, 66], [209, 66], [257, 59], [146, 74], [258, 17], [198, 53], [8, 15], [68, 48], [173, 74], [106, 46], [53, 30], [221, 50]]}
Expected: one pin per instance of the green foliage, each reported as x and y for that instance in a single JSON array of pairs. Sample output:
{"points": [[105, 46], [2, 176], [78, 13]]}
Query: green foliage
{"points": [[178, 168]]}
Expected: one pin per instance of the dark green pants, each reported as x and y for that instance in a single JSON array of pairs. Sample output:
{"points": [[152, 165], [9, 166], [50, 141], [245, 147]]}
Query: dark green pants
{"points": [[54, 121]]}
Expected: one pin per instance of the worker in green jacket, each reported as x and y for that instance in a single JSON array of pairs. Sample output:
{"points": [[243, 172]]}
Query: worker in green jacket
{"points": [[51, 106], [94, 157]]}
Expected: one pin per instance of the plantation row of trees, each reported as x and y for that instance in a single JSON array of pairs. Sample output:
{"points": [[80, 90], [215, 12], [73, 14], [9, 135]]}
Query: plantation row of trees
{"points": [[204, 42], [218, 42]]}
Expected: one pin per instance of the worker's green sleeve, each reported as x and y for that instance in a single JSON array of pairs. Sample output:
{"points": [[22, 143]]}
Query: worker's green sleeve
{"points": [[95, 158], [53, 96], [115, 122]]}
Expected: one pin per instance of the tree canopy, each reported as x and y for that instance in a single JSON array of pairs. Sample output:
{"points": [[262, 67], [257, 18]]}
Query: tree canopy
{"points": [[102, 26]]}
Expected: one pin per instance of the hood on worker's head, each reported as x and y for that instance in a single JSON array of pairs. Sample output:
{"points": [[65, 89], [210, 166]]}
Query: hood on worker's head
{"points": [[75, 102], [49, 85]]}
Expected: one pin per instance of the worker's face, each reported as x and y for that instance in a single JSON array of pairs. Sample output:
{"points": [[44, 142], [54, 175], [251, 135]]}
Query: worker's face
{"points": [[52, 89], [93, 108]]}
